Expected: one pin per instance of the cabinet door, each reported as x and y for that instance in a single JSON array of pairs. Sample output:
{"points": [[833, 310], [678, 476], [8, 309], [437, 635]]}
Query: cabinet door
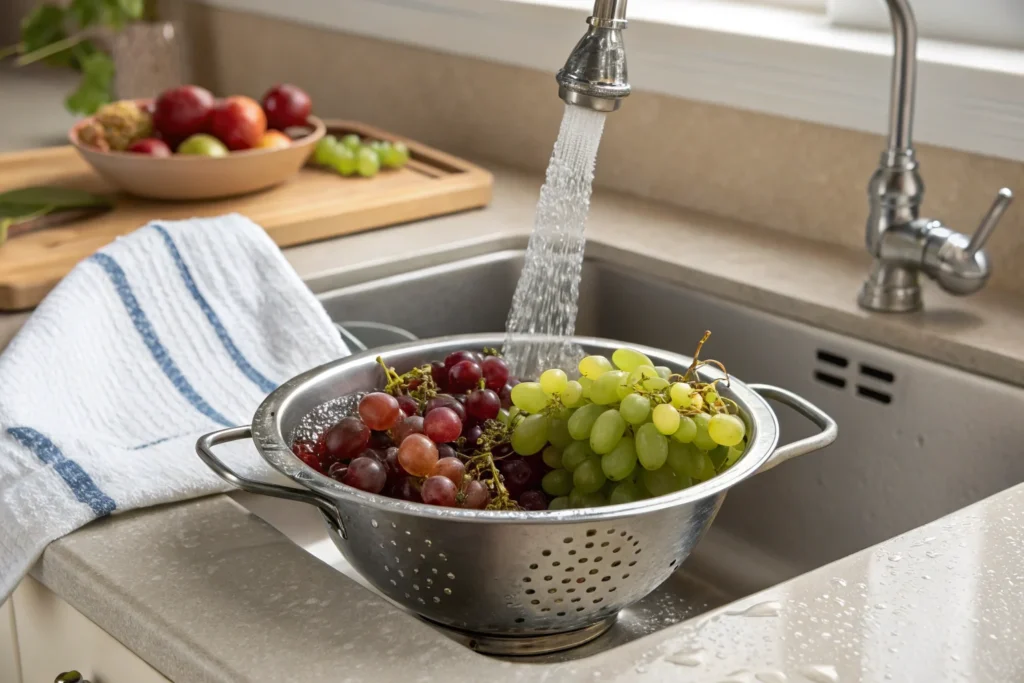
{"points": [[10, 669], [53, 637]]}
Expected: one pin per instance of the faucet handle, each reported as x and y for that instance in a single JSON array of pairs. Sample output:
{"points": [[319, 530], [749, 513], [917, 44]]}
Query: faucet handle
{"points": [[989, 222]]}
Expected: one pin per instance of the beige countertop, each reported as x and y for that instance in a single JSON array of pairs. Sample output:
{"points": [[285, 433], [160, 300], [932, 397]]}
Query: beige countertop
{"points": [[206, 591]]}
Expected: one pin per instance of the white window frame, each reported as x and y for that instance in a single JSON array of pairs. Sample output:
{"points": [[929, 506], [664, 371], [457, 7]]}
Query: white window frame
{"points": [[782, 61]]}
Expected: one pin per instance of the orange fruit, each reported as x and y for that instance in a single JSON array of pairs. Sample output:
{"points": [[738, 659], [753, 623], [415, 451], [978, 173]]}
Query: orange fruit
{"points": [[273, 139]]}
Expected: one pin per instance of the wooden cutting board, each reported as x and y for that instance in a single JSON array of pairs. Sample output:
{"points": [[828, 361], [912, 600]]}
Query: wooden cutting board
{"points": [[316, 204]]}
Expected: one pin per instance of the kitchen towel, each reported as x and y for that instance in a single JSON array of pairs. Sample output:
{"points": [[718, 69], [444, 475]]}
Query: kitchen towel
{"points": [[173, 331]]}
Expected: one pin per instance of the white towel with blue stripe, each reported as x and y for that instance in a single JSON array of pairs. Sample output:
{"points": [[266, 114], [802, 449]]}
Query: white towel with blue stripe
{"points": [[175, 330]]}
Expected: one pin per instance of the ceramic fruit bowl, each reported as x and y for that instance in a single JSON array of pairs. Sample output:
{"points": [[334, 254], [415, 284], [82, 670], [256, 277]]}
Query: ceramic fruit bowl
{"points": [[190, 177]]}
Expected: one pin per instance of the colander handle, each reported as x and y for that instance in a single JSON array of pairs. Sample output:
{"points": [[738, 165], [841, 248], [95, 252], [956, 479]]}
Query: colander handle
{"points": [[204, 447], [829, 428]]}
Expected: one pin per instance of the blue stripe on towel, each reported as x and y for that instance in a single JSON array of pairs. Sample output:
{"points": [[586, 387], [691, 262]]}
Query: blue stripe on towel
{"points": [[149, 337], [247, 369], [80, 483]]}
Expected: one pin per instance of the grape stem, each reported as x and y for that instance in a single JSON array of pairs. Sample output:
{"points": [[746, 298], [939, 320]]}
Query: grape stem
{"points": [[418, 383]]}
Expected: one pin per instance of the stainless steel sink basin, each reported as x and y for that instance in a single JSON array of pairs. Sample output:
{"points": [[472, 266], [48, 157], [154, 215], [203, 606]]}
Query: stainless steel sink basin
{"points": [[918, 440]]}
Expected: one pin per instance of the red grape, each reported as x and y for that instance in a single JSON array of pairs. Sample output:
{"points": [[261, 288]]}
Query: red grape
{"points": [[502, 450], [475, 495], [337, 470], [439, 491], [445, 451], [455, 356], [346, 439], [445, 401], [391, 463], [408, 405], [517, 475], [472, 434], [380, 440], [306, 452], [440, 374], [451, 468], [410, 425], [366, 474], [495, 372], [442, 425], [417, 455], [406, 489], [483, 404], [533, 500], [506, 395], [464, 375], [379, 410]]}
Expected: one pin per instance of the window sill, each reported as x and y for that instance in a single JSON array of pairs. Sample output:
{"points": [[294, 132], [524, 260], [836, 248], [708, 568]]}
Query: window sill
{"points": [[777, 61]]}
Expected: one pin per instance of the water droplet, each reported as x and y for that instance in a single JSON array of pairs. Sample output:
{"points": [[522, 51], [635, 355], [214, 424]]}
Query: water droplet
{"points": [[769, 608], [692, 658], [771, 677], [820, 673]]}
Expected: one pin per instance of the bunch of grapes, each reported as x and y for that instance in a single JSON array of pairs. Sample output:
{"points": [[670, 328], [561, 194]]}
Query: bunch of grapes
{"points": [[464, 433], [625, 430]]}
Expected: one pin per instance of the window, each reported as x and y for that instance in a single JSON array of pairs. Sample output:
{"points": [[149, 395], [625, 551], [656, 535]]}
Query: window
{"points": [[988, 22]]}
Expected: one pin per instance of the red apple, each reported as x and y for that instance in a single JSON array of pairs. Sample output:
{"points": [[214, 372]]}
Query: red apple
{"points": [[238, 122], [286, 105], [183, 111], [274, 139], [151, 147]]}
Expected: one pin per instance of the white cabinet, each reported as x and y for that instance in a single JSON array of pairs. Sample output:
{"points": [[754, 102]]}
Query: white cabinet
{"points": [[10, 669], [53, 636]]}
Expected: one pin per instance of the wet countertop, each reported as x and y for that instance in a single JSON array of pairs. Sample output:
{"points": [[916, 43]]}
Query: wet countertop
{"points": [[206, 591]]}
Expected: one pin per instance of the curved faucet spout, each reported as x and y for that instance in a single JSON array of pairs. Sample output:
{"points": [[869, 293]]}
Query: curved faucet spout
{"points": [[904, 78]]}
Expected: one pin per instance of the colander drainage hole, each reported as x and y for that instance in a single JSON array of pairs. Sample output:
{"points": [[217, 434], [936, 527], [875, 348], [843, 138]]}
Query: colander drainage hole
{"points": [[530, 591], [451, 576], [575, 599], [561, 614], [632, 563], [591, 589], [591, 532], [567, 539], [534, 602], [556, 563], [625, 576], [373, 523], [520, 620], [527, 579], [597, 600], [606, 578], [547, 578], [593, 571], [605, 544], [612, 589], [448, 591], [598, 559], [583, 560], [566, 580], [393, 525], [533, 566], [437, 599], [672, 563], [572, 552], [546, 553], [545, 609], [570, 569], [589, 545], [616, 563], [570, 590], [552, 590], [579, 609]]}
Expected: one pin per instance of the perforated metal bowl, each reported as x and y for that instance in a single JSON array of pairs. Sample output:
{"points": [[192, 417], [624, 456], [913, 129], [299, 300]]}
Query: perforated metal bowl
{"points": [[505, 574]]}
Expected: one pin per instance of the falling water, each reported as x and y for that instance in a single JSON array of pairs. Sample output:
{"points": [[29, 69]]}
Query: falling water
{"points": [[546, 297]]}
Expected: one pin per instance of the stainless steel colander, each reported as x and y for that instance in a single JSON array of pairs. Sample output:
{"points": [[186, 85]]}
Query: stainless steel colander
{"points": [[505, 575]]}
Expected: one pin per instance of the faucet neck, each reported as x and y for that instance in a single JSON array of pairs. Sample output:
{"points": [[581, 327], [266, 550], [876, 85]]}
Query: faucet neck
{"points": [[904, 80]]}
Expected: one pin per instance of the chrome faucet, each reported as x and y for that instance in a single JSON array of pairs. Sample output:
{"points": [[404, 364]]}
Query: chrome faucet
{"points": [[902, 243]]}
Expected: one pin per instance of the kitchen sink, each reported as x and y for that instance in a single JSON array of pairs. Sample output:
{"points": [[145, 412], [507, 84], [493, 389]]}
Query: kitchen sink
{"points": [[918, 440]]}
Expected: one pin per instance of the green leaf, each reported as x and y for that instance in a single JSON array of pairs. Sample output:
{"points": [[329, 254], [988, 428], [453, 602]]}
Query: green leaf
{"points": [[87, 12], [41, 27], [132, 8], [95, 88], [59, 198]]}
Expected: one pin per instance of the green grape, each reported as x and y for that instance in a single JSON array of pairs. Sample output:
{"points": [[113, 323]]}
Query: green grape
{"points": [[629, 359], [666, 419], [621, 462], [609, 486], [664, 372], [396, 156], [593, 367], [635, 409], [529, 397], [641, 372], [625, 492], [706, 469], [562, 413], [324, 151], [367, 162], [726, 430], [718, 457], [558, 433], [508, 416], [557, 482], [530, 435], [582, 421], [686, 460], [553, 382], [578, 499], [560, 503], [703, 439], [575, 453], [572, 395], [696, 401], [734, 453], [607, 430], [588, 477], [606, 387], [663, 481], [345, 161], [655, 384], [585, 385], [382, 148], [680, 394], [552, 455], [687, 430], [651, 446], [352, 141], [710, 396]]}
